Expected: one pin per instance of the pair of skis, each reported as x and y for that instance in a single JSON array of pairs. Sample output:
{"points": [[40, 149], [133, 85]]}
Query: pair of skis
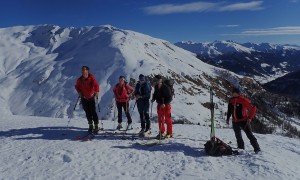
{"points": [[88, 136], [152, 141]]}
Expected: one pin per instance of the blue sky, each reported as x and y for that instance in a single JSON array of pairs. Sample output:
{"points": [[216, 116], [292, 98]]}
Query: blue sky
{"points": [[275, 21]]}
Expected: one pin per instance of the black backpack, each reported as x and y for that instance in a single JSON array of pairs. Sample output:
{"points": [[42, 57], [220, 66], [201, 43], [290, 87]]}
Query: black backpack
{"points": [[169, 83], [216, 147]]}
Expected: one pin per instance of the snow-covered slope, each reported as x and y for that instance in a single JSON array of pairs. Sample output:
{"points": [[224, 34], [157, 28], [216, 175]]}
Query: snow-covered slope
{"points": [[40, 64], [33, 148]]}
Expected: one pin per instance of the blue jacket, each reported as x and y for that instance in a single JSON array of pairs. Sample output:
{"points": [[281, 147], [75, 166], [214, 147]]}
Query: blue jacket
{"points": [[143, 89]]}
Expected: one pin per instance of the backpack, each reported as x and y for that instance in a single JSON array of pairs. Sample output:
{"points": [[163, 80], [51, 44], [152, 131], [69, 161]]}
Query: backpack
{"points": [[169, 83], [216, 147], [146, 85]]}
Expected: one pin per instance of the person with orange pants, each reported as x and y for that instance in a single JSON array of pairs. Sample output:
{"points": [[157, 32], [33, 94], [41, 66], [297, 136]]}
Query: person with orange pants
{"points": [[163, 96]]}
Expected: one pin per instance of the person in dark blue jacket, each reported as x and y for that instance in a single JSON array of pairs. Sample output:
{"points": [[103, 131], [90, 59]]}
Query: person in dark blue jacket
{"points": [[142, 93]]}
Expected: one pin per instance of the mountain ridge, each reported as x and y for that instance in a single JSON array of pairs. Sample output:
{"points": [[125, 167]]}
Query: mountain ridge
{"points": [[264, 62]]}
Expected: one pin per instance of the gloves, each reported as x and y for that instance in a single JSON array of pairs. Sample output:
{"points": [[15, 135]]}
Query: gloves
{"points": [[152, 100], [248, 122]]}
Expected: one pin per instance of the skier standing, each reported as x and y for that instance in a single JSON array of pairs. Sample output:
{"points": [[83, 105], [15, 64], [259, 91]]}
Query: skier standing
{"points": [[240, 107], [123, 93], [163, 96], [88, 89], [142, 93]]}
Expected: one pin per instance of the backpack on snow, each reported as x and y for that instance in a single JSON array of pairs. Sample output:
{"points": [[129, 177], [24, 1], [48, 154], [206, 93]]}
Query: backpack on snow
{"points": [[216, 147]]}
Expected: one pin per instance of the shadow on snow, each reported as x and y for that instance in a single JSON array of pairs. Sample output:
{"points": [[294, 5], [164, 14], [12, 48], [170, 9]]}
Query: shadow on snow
{"points": [[168, 147], [47, 133]]}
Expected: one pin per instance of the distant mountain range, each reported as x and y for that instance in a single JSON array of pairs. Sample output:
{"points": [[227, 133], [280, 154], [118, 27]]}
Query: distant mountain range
{"points": [[264, 62]]}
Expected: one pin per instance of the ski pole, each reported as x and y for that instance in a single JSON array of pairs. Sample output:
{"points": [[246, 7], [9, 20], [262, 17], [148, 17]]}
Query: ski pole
{"points": [[159, 125], [115, 106], [72, 114], [133, 107], [76, 103], [212, 130], [127, 125], [99, 113], [151, 109]]}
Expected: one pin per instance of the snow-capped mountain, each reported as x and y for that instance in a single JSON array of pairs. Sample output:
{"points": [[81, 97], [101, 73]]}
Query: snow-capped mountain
{"points": [[264, 62], [39, 66]]}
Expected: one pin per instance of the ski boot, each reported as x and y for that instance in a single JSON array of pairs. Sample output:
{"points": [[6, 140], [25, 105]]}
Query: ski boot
{"points": [[142, 133], [169, 135], [129, 126], [96, 129], [161, 136], [91, 127], [119, 126]]}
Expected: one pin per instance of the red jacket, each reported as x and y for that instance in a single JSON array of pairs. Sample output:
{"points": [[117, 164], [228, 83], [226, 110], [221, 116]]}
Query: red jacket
{"points": [[122, 92], [240, 108], [87, 87]]}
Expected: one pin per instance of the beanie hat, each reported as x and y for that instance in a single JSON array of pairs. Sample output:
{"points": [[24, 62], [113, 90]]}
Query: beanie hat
{"points": [[85, 68], [236, 90], [122, 77], [141, 77], [158, 77]]}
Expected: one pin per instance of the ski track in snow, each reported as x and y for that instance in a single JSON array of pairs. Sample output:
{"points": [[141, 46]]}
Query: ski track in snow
{"points": [[34, 148]]}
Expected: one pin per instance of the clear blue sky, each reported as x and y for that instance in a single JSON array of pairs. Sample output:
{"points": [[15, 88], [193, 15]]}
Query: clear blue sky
{"points": [[275, 21]]}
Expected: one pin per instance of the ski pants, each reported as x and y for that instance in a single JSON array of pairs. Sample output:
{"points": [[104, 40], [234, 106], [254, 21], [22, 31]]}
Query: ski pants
{"points": [[143, 108], [125, 106], [89, 107], [237, 126], [164, 114]]}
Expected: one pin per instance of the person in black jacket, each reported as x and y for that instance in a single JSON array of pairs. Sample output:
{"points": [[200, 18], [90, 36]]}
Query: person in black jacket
{"points": [[142, 93], [242, 112], [163, 96]]}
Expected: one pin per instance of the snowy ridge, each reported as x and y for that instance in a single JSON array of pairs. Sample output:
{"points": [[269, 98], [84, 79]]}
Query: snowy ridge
{"points": [[40, 64], [215, 48]]}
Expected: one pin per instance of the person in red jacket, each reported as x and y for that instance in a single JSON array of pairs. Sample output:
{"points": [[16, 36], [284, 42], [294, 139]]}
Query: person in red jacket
{"points": [[242, 112], [163, 96], [88, 89], [123, 93]]}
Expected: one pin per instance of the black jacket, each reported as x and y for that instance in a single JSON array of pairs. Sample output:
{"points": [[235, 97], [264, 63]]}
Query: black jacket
{"points": [[162, 95], [143, 89]]}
